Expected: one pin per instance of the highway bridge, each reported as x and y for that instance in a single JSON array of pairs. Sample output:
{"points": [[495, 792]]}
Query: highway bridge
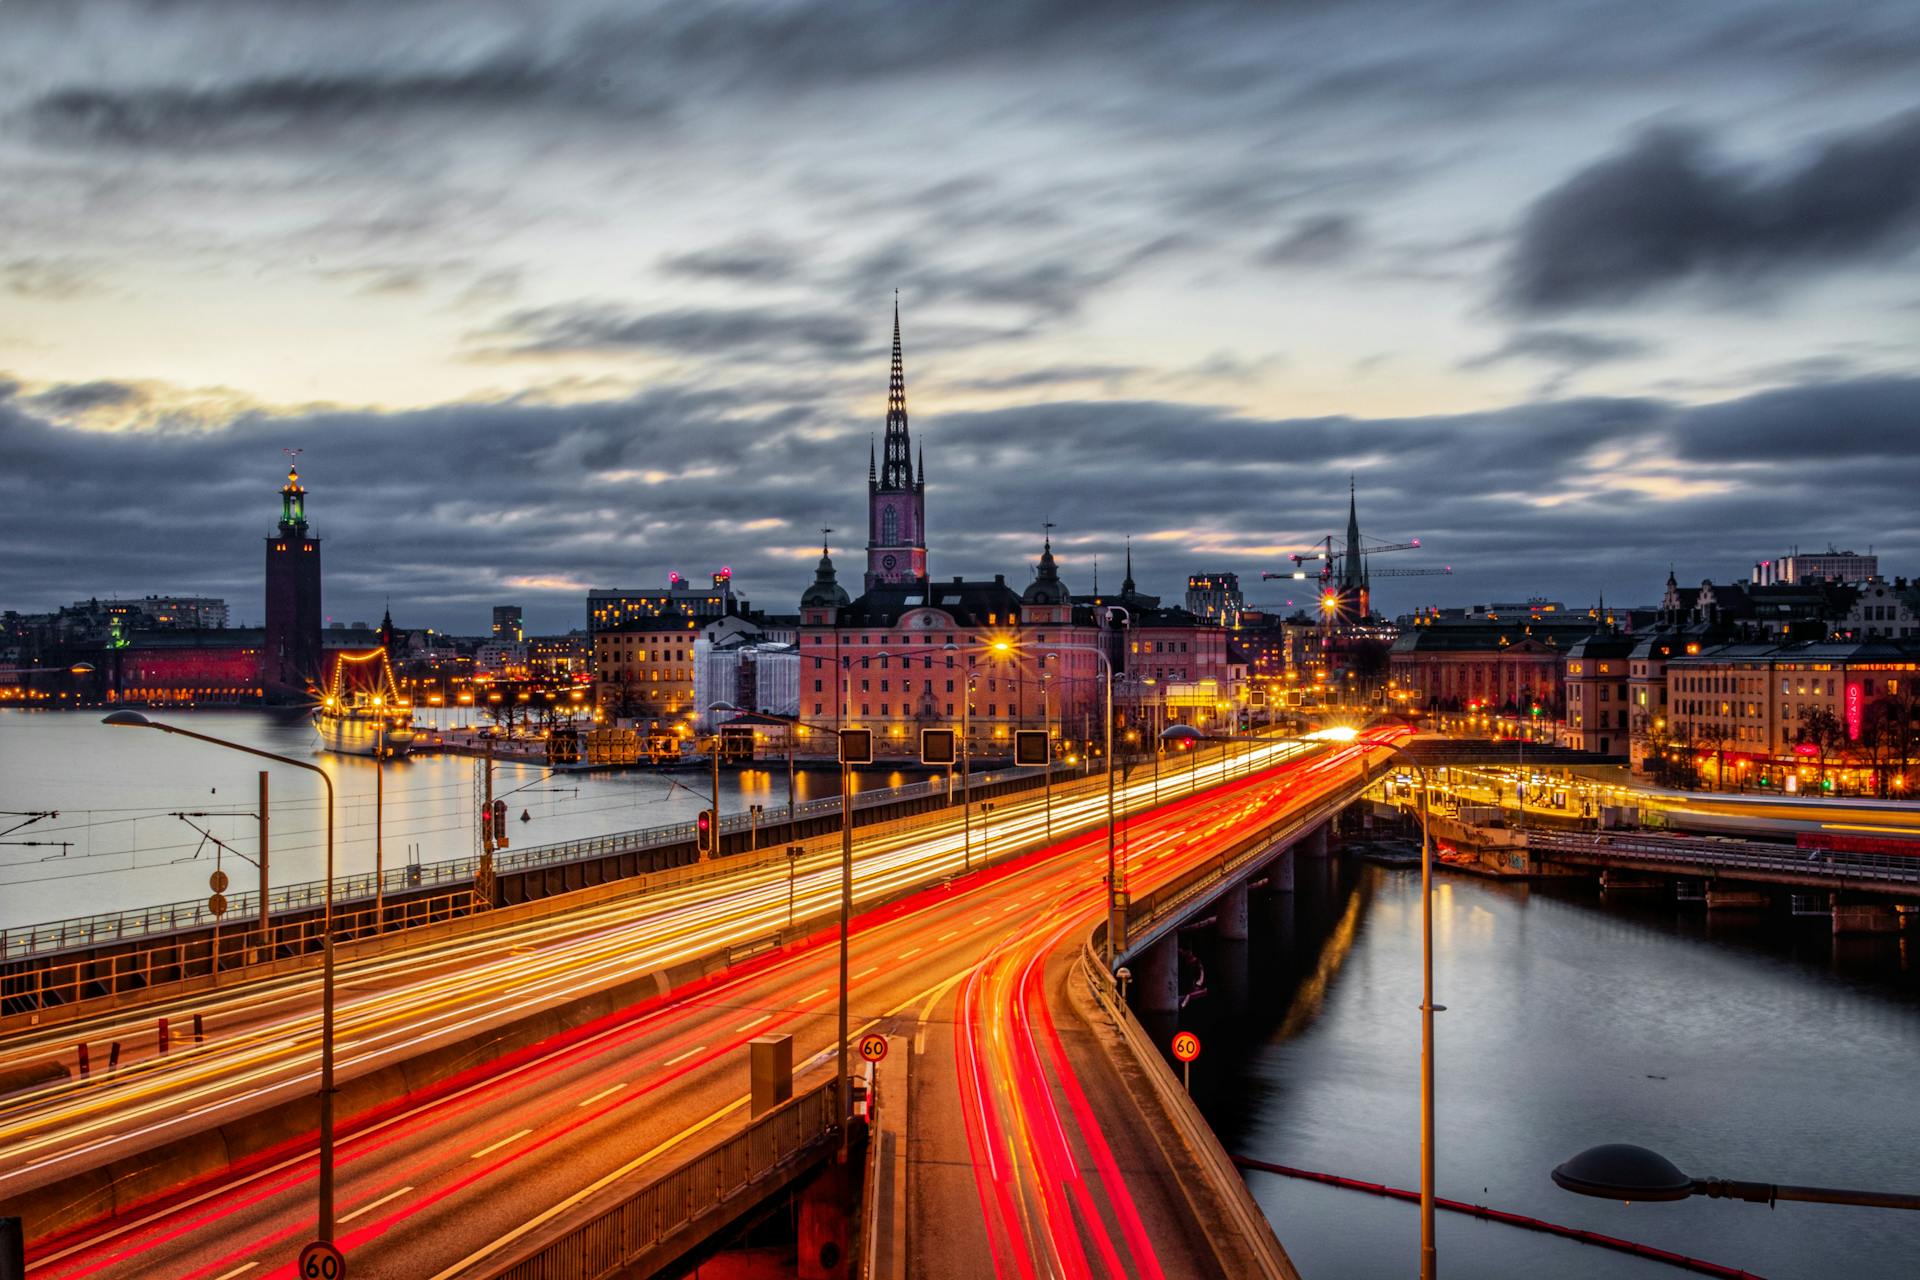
{"points": [[497, 1076]]}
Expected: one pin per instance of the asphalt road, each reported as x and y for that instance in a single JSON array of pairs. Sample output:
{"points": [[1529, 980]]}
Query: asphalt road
{"points": [[424, 1189]]}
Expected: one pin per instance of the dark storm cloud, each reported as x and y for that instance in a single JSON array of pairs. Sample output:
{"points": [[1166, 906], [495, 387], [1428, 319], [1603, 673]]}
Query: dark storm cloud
{"points": [[516, 500], [1567, 347], [763, 332], [1668, 211], [265, 109], [751, 261], [1316, 241], [1050, 376], [79, 397]]}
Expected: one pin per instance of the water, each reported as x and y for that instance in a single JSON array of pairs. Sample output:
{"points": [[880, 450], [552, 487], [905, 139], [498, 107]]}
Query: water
{"points": [[1742, 1049], [115, 789]]}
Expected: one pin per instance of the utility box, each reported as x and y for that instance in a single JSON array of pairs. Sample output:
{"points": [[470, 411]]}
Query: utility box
{"points": [[771, 1061]]}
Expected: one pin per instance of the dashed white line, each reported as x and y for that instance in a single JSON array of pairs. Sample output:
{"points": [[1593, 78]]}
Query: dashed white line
{"points": [[866, 973], [610, 1089], [369, 1207], [815, 996], [242, 1269], [683, 1057], [488, 1150], [948, 937], [910, 953], [748, 1026]]}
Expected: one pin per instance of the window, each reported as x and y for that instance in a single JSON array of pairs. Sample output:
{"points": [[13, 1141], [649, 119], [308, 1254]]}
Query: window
{"points": [[949, 687], [889, 528], [816, 686]]}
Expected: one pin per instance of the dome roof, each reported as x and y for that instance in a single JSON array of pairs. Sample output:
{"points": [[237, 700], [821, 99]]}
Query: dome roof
{"points": [[826, 592], [1046, 587]]}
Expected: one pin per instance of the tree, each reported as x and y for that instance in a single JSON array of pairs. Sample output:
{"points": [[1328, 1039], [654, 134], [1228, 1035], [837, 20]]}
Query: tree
{"points": [[1824, 730]]}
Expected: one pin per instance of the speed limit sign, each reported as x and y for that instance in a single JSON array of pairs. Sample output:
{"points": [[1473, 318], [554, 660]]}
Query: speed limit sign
{"points": [[1186, 1046], [873, 1046], [322, 1260]]}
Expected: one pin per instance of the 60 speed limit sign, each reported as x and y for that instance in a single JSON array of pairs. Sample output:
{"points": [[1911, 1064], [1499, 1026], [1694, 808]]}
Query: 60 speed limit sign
{"points": [[873, 1046], [322, 1260], [1186, 1046]]}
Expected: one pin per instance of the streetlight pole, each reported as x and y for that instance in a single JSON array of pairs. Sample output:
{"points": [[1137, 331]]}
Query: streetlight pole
{"points": [[134, 720], [846, 904], [1428, 1257]]}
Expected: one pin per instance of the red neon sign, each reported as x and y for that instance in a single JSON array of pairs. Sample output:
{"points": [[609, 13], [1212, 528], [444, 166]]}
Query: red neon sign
{"points": [[1853, 711]]}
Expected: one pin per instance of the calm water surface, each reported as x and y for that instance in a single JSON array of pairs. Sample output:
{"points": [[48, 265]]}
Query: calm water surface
{"points": [[115, 789], [1746, 1049]]}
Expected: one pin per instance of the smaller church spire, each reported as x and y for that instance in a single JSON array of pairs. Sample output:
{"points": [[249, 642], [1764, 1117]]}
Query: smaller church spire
{"points": [[921, 482], [1126, 584], [873, 474]]}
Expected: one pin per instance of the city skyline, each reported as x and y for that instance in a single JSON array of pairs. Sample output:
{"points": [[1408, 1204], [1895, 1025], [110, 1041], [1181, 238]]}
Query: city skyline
{"points": [[575, 305]]}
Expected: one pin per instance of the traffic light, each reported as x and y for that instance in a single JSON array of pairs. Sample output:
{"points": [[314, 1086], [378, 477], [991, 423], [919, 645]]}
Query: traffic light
{"points": [[499, 824], [856, 746], [703, 832], [939, 746], [1030, 746]]}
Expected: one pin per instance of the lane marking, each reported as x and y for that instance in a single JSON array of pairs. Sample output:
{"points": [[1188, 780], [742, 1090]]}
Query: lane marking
{"points": [[558, 1209], [496, 1146], [866, 973], [365, 1208], [748, 1026], [947, 937], [244, 1267], [910, 953], [815, 996], [683, 1057], [610, 1089]]}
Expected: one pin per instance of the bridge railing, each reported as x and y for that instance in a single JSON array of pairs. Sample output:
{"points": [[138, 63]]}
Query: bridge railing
{"points": [[622, 1235], [243, 907], [1750, 854]]}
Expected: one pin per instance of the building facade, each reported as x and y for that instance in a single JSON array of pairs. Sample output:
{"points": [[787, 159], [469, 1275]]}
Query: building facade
{"points": [[609, 607]]}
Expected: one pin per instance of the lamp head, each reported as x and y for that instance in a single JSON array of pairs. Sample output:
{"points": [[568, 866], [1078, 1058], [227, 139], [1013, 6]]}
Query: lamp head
{"points": [[128, 719], [1622, 1171]]}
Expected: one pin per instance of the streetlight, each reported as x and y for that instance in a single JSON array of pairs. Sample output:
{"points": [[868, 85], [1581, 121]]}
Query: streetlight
{"points": [[1622, 1171], [134, 720], [1116, 909]]}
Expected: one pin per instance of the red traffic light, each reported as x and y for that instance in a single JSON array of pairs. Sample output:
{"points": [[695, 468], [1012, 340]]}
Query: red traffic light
{"points": [[703, 831]]}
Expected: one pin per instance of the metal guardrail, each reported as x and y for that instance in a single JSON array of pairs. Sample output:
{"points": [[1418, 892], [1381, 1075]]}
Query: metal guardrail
{"points": [[1146, 911], [1748, 855], [1191, 1127], [621, 1236], [146, 922]]}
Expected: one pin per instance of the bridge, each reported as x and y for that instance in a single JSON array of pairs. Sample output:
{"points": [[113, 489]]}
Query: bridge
{"points": [[503, 1076]]}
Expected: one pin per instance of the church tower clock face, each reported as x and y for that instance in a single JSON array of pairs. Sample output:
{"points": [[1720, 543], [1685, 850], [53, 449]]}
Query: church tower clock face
{"points": [[889, 561]]}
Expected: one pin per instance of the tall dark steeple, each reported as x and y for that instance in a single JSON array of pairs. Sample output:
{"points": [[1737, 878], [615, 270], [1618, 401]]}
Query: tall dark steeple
{"points": [[896, 497], [896, 471]]}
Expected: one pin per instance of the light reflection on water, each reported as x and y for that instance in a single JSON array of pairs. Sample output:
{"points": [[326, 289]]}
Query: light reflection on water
{"points": [[1739, 1048], [114, 789]]}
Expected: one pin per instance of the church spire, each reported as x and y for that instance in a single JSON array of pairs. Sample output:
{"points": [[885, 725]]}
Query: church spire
{"points": [[1126, 584], [1355, 576], [896, 471]]}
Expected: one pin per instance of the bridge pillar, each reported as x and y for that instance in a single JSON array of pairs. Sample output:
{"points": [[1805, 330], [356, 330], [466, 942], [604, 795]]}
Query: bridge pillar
{"points": [[1159, 979], [1722, 899], [1864, 917], [1230, 913], [1280, 872], [1314, 843]]}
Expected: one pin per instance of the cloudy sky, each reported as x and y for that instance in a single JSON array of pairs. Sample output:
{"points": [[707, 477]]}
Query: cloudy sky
{"points": [[575, 294]]}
